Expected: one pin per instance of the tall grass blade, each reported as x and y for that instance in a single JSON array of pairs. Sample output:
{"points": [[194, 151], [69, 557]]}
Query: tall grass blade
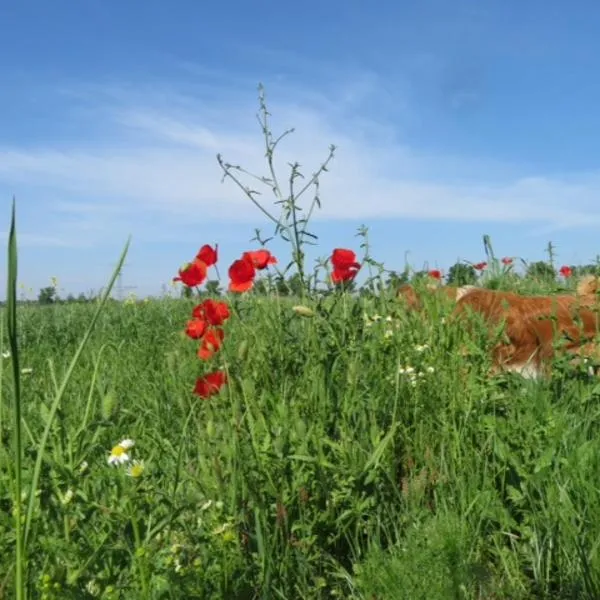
{"points": [[11, 319]]}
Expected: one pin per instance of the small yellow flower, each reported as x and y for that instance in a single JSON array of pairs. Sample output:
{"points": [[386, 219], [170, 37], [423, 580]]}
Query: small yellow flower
{"points": [[119, 455], [136, 469]]}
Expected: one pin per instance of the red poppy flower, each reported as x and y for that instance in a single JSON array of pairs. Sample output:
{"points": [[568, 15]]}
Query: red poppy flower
{"points": [[507, 261], [241, 274], [211, 342], [480, 266], [215, 312], [435, 274], [566, 271], [192, 274], [341, 258], [344, 264], [210, 384], [195, 328], [260, 258], [340, 275], [208, 255]]}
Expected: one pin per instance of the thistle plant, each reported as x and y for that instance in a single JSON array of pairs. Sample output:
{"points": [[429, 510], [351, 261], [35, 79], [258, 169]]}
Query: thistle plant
{"points": [[292, 223]]}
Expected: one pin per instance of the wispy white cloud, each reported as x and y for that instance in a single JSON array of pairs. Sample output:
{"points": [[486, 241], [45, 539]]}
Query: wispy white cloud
{"points": [[145, 160]]}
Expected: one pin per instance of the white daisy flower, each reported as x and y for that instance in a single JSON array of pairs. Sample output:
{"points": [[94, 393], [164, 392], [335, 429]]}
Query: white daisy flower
{"points": [[119, 455]]}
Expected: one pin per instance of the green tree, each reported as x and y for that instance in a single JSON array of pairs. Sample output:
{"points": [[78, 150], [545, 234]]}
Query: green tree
{"points": [[395, 279], [541, 270], [47, 295], [461, 274], [591, 269]]}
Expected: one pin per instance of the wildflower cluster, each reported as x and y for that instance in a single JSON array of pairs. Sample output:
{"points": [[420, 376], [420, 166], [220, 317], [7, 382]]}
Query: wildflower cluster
{"points": [[208, 317], [243, 271], [413, 375], [391, 324], [413, 368], [206, 326]]}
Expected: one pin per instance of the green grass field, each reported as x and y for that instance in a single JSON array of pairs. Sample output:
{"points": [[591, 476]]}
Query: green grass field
{"points": [[345, 459]]}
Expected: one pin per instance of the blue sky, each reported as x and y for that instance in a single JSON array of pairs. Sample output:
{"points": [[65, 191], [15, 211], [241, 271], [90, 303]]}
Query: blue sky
{"points": [[452, 120]]}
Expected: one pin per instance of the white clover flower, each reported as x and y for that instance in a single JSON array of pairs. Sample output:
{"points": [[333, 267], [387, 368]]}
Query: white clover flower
{"points": [[430, 369], [118, 455], [6, 354]]}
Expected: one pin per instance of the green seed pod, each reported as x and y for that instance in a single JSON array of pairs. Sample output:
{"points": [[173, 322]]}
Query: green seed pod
{"points": [[303, 311]]}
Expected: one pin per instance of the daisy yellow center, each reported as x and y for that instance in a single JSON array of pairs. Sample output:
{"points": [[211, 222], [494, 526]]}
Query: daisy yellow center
{"points": [[118, 451], [136, 470]]}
